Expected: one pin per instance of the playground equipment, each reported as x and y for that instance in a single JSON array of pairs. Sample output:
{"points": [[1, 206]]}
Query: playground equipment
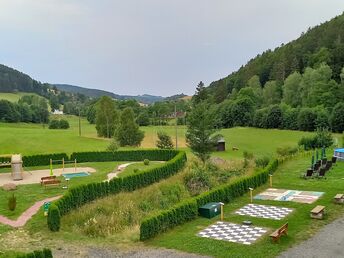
{"points": [[17, 167], [339, 154], [59, 161]]}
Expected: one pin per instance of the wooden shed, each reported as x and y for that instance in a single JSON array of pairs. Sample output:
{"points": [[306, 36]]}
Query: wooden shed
{"points": [[221, 145]]}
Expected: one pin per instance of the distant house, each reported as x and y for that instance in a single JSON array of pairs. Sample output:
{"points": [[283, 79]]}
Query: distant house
{"points": [[57, 112]]}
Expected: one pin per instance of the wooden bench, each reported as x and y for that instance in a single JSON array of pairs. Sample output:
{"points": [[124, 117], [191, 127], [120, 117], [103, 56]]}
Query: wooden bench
{"points": [[276, 235], [318, 212], [339, 199], [53, 182], [47, 178]]}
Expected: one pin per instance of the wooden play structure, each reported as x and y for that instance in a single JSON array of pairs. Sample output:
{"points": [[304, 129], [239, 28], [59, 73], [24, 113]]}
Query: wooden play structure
{"points": [[276, 235]]}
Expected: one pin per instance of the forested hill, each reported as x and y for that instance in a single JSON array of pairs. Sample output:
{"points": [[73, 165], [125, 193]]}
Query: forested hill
{"points": [[95, 93], [322, 43], [12, 80]]}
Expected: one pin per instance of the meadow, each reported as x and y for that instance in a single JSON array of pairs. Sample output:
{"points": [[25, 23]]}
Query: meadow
{"points": [[14, 97]]}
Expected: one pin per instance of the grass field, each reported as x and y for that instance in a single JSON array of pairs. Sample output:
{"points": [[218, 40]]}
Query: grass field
{"points": [[14, 97], [301, 226], [34, 139]]}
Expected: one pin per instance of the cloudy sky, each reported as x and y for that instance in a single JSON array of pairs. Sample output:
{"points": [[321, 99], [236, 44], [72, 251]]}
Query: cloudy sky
{"points": [[148, 46]]}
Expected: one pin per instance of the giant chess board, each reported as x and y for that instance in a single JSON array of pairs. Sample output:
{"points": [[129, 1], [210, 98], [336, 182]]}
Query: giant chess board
{"points": [[264, 211], [289, 195], [231, 232]]}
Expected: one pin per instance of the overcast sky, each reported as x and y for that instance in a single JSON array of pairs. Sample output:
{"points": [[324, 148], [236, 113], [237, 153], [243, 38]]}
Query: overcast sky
{"points": [[148, 46]]}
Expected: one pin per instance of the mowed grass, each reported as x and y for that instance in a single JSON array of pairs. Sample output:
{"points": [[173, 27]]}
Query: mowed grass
{"points": [[301, 226], [31, 139], [14, 97]]}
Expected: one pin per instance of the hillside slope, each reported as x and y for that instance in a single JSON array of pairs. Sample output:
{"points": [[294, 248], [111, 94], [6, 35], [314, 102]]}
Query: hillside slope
{"points": [[322, 43]]}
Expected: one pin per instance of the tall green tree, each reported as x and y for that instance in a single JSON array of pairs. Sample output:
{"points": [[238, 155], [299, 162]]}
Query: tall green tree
{"points": [[271, 93], [200, 131], [106, 117], [291, 90], [128, 132], [201, 93]]}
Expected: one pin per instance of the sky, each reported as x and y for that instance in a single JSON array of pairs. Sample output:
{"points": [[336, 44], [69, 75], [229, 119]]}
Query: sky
{"points": [[148, 46]]}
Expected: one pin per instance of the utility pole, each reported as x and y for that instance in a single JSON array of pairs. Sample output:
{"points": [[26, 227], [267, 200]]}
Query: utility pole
{"points": [[79, 123], [176, 123]]}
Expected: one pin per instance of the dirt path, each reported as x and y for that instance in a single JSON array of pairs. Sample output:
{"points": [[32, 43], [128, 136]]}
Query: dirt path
{"points": [[328, 243], [26, 215]]}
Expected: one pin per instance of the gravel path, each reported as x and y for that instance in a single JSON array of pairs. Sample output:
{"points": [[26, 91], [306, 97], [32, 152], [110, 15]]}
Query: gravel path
{"points": [[328, 243], [140, 253]]}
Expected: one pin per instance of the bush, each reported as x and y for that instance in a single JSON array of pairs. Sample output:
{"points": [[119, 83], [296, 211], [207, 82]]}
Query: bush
{"points": [[64, 124], [58, 124], [274, 117], [146, 162], [54, 218], [337, 118], [43, 159], [197, 180], [248, 155], [306, 119], [45, 253], [113, 146], [12, 203], [262, 162], [322, 138], [286, 151], [164, 141]]}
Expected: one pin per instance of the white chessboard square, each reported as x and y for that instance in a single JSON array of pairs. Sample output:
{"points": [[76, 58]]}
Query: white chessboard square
{"points": [[241, 234]]}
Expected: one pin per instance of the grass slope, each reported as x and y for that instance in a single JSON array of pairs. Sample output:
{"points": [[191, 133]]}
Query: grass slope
{"points": [[13, 97], [301, 226]]}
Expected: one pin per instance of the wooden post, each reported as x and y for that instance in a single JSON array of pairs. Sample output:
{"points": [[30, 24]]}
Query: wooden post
{"points": [[270, 180], [62, 164], [75, 165], [222, 204], [51, 167], [251, 195]]}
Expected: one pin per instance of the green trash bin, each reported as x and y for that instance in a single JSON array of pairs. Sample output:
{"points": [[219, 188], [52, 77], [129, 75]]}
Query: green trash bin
{"points": [[210, 210]]}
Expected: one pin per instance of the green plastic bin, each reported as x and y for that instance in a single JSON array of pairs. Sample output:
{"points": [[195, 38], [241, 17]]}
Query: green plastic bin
{"points": [[210, 210]]}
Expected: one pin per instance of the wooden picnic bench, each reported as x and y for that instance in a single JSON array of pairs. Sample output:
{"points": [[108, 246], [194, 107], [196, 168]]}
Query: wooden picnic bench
{"points": [[276, 235], [47, 178], [53, 182], [318, 212], [339, 199]]}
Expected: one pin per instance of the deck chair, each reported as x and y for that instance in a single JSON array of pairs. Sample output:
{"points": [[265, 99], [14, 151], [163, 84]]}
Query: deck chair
{"points": [[322, 173], [308, 174]]}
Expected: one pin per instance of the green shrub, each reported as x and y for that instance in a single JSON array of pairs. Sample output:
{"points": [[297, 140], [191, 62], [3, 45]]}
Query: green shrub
{"points": [[262, 162], [45, 253], [12, 202], [113, 146], [64, 124], [286, 151], [164, 141], [322, 138], [136, 170], [43, 159], [146, 162], [54, 124], [197, 180], [248, 155], [54, 218]]}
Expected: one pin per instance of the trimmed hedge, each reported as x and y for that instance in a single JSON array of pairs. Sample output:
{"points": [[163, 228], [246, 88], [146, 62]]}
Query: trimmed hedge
{"points": [[54, 218], [80, 195], [43, 159], [5, 159], [183, 212], [45, 253], [131, 155]]}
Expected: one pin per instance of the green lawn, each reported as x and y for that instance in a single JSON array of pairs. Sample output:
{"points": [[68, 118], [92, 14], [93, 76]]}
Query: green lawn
{"points": [[31, 139], [14, 97], [139, 166], [301, 226]]}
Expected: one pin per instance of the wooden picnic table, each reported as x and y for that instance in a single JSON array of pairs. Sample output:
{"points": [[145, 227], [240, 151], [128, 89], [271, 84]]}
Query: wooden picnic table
{"points": [[339, 198], [318, 212]]}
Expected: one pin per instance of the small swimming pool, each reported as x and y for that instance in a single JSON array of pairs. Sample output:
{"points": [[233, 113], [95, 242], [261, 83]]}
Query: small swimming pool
{"points": [[339, 153], [72, 175]]}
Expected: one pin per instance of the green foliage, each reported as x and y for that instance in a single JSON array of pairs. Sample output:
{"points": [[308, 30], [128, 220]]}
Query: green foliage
{"points": [[274, 117], [146, 162], [113, 146], [143, 119], [200, 129], [128, 132], [43, 159], [106, 117], [54, 218], [262, 162], [164, 141], [45, 253], [306, 119], [322, 138], [188, 210], [80, 195], [12, 202], [337, 118], [58, 124], [286, 151], [197, 180], [248, 155]]}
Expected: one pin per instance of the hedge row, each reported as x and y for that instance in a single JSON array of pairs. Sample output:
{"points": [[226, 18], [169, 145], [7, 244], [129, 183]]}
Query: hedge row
{"points": [[131, 155], [183, 212], [45, 253], [86, 193]]}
